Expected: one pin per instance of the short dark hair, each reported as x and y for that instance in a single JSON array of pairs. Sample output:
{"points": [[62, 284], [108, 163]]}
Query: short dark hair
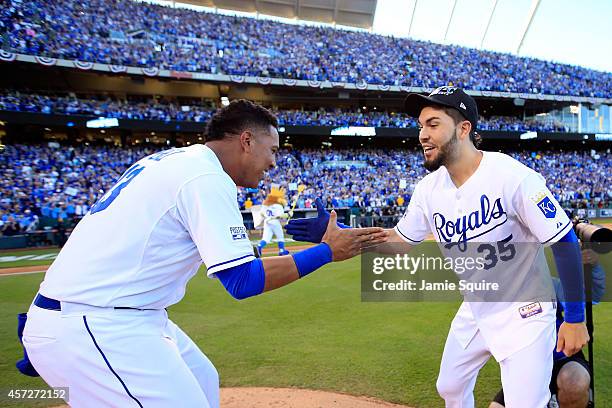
{"points": [[458, 117], [238, 116]]}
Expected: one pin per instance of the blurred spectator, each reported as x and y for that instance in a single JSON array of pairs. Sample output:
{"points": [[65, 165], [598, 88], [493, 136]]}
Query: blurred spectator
{"points": [[10, 227]]}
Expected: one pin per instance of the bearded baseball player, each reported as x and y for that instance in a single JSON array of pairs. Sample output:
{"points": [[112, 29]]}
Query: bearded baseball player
{"points": [[99, 323], [477, 196]]}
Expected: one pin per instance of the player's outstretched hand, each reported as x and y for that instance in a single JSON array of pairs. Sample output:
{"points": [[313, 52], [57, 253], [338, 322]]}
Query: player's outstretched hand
{"points": [[572, 338], [310, 229], [346, 243]]}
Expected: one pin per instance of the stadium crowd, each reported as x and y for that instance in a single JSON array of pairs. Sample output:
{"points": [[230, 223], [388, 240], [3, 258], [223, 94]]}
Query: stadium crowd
{"points": [[59, 184], [130, 33], [201, 111]]}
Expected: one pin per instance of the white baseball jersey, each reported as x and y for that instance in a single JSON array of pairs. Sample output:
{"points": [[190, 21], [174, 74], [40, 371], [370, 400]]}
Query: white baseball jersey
{"points": [[503, 201], [142, 242]]}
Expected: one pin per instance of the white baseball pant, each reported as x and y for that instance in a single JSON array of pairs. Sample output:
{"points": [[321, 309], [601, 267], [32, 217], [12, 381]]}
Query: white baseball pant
{"points": [[525, 375], [119, 358]]}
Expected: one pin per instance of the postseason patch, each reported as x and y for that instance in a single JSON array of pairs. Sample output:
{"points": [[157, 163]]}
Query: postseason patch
{"points": [[238, 232], [545, 205], [529, 310]]}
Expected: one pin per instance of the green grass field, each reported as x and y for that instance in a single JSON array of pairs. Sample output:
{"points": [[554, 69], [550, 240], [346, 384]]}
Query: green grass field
{"points": [[315, 334], [28, 257]]}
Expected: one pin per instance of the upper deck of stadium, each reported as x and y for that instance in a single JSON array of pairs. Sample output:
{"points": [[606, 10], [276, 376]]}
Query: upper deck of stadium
{"points": [[127, 33]]}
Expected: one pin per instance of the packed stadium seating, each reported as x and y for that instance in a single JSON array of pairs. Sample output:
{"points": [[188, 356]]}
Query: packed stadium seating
{"points": [[132, 33], [47, 182], [202, 111]]}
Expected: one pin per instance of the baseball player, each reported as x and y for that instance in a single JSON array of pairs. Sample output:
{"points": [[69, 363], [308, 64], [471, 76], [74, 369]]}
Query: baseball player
{"points": [[272, 211], [99, 323], [475, 196]]}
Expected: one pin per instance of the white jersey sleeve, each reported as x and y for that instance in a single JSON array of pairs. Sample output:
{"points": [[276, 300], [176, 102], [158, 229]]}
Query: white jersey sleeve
{"points": [[413, 226], [539, 211], [207, 206]]}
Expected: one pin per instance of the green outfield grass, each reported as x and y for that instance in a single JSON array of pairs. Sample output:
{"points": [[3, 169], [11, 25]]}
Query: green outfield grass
{"points": [[255, 237], [23, 257], [315, 334]]}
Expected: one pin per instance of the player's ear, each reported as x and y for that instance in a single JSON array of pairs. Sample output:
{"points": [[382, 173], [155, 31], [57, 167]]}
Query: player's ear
{"points": [[465, 129], [246, 141]]}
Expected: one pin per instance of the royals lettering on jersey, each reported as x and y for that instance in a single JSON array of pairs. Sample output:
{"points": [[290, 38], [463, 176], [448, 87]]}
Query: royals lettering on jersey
{"points": [[468, 227]]}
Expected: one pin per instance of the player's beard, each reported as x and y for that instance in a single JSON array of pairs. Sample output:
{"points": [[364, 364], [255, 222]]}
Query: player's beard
{"points": [[446, 154]]}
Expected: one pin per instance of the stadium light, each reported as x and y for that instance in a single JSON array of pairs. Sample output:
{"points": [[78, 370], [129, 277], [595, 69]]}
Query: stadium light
{"points": [[354, 131], [529, 135], [102, 123]]}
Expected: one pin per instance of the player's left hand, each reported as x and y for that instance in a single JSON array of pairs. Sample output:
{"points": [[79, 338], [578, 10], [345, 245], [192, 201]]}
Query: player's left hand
{"points": [[310, 229], [572, 338]]}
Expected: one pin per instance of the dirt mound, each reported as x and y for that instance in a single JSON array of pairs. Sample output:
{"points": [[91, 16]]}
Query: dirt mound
{"points": [[260, 397], [263, 397]]}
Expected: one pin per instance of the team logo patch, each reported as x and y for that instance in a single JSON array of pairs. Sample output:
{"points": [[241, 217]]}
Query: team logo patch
{"points": [[238, 232], [547, 207], [529, 310], [545, 204]]}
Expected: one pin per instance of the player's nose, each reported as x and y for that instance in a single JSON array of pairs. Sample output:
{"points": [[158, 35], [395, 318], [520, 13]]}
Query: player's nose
{"points": [[423, 136]]}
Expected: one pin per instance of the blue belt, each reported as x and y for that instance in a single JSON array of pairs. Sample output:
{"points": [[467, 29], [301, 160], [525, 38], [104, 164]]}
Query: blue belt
{"points": [[51, 304], [47, 303]]}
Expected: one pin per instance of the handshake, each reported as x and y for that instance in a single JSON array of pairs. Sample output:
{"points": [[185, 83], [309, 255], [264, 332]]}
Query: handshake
{"points": [[345, 242]]}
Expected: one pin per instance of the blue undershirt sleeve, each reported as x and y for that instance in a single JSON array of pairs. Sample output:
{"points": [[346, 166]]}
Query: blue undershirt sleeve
{"points": [[245, 280], [568, 259]]}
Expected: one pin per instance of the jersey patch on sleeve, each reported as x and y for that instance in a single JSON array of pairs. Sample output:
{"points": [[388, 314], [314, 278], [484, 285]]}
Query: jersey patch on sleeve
{"points": [[545, 204], [238, 232]]}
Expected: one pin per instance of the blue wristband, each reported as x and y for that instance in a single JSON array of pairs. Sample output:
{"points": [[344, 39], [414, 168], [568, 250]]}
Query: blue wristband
{"points": [[573, 312], [311, 259]]}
